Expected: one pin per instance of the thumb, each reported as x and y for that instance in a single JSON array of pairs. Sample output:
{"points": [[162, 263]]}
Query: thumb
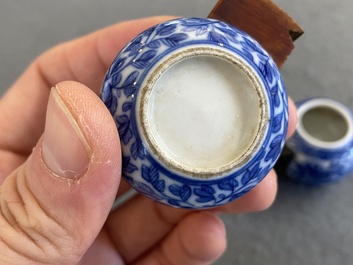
{"points": [[54, 205]]}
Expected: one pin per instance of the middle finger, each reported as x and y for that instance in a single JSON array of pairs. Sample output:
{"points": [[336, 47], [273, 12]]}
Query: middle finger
{"points": [[139, 224]]}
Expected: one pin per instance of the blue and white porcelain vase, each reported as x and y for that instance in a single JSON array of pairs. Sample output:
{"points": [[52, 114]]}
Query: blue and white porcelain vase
{"points": [[201, 111], [323, 142]]}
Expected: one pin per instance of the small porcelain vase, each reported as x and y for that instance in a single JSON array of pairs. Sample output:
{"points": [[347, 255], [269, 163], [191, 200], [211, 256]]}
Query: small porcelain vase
{"points": [[322, 143], [201, 111]]}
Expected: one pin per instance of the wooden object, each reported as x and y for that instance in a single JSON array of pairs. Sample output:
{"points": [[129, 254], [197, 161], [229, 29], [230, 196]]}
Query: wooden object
{"points": [[264, 21]]}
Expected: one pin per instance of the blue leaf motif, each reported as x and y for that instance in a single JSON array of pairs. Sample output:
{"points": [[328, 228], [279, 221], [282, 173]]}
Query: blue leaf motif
{"points": [[111, 101], [145, 173], [248, 55], [262, 58], [246, 178], [199, 29], [242, 193], [129, 179], [173, 202], [202, 193], [255, 170], [275, 96], [124, 130], [143, 61], [183, 192], [155, 44], [221, 196], [165, 29], [129, 91], [142, 187], [277, 123], [253, 46], [133, 44], [148, 55], [217, 37], [202, 30], [277, 141], [127, 106], [140, 64], [131, 79], [234, 197], [228, 185], [175, 190], [203, 199], [264, 172], [135, 48], [229, 33], [274, 90], [118, 93], [285, 100], [116, 78], [262, 63], [275, 148], [151, 175], [174, 39], [159, 185], [261, 67], [130, 168], [192, 28], [262, 153], [117, 65], [137, 151], [195, 22], [127, 166], [205, 194], [149, 31], [251, 174], [208, 189], [277, 100], [269, 72], [129, 85]]}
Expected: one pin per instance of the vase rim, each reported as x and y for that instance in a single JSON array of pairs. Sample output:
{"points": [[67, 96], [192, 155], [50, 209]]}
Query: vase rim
{"points": [[331, 105]]}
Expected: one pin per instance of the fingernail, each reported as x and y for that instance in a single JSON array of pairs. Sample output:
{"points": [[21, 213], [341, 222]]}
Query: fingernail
{"points": [[65, 150]]}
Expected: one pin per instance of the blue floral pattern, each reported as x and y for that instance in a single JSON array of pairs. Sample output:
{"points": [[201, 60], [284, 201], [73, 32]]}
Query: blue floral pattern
{"points": [[317, 172], [123, 81]]}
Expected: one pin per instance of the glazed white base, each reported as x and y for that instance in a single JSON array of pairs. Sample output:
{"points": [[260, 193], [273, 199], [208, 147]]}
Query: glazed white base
{"points": [[204, 112]]}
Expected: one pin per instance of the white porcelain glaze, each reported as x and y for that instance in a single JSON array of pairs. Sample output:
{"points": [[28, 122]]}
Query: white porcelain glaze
{"points": [[203, 114], [201, 111]]}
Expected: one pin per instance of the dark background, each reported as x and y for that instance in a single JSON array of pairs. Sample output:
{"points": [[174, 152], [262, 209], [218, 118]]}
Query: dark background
{"points": [[306, 225]]}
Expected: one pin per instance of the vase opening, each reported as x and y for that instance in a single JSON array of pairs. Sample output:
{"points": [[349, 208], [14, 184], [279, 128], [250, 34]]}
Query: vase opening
{"points": [[324, 123], [203, 112]]}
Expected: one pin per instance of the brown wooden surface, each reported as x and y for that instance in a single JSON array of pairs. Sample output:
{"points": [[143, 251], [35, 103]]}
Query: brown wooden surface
{"points": [[264, 21]]}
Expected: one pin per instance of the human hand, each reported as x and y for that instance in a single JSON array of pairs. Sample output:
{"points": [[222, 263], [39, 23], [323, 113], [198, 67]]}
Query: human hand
{"points": [[60, 167]]}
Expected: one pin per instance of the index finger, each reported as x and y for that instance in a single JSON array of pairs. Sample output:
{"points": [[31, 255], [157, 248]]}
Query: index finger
{"points": [[84, 60]]}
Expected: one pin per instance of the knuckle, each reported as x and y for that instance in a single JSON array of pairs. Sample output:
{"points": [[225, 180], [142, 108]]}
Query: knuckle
{"points": [[27, 230]]}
